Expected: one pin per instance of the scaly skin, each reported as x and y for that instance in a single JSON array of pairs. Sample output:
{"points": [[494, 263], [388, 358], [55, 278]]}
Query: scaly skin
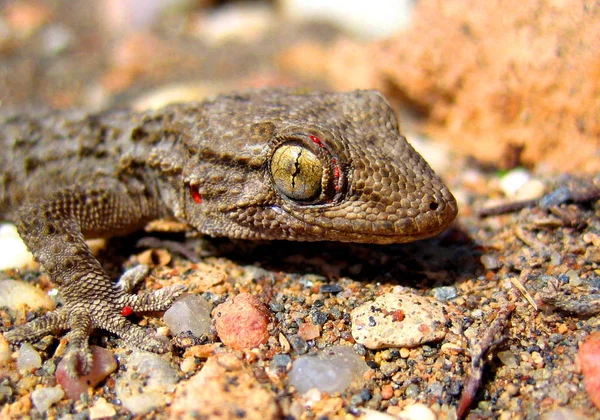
{"points": [[265, 164]]}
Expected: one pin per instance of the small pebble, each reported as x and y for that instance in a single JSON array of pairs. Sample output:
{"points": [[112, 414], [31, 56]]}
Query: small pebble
{"points": [[44, 398], [398, 320], [445, 293], [299, 344], [102, 409], [436, 389], [489, 262], [555, 258], [143, 385], [13, 251], [331, 288], [388, 369], [318, 317], [188, 364], [387, 391], [574, 279], [191, 313], [103, 365], [513, 180], [5, 393], [508, 358], [411, 391], [330, 370], [28, 359], [309, 331], [242, 322], [417, 412], [15, 295], [531, 190], [281, 361]]}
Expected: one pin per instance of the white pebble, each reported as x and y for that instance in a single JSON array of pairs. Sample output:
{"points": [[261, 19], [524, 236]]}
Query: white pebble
{"points": [[417, 412], [398, 320], [15, 294], [102, 409], [145, 383], [188, 364], [28, 359], [329, 370], [371, 19], [44, 398], [489, 262], [513, 180], [13, 251], [531, 190], [191, 313], [574, 279]]}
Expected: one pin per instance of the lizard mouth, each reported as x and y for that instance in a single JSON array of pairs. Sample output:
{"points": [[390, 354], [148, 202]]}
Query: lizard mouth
{"points": [[434, 219]]}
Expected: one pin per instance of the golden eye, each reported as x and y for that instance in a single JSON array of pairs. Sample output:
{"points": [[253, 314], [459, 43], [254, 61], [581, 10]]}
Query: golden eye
{"points": [[297, 172]]}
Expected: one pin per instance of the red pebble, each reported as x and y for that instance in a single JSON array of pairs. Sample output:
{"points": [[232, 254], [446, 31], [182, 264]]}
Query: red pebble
{"points": [[104, 364], [242, 322], [589, 360]]}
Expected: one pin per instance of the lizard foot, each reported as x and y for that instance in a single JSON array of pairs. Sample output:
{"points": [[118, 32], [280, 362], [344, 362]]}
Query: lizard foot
{"points": [[99, 309]]}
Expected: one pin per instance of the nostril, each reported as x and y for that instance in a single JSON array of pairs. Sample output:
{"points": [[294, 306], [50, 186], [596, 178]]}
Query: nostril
{"points": [[433, 206]]}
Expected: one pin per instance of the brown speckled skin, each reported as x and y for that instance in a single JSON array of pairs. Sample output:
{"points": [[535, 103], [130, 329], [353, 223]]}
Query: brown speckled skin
{"points": [[66, 176]]}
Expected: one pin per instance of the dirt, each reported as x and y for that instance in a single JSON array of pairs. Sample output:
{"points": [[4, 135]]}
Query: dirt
{"points": [[494, 274]]}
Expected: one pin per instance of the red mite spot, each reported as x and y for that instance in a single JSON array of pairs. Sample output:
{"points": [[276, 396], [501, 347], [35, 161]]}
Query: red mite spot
{"points": [[126, 311], [337, 173], [316, 140], [196, 196]]}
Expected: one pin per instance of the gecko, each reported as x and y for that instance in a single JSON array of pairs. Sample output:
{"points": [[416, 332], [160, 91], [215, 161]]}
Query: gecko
{"points": [[273, 164]]}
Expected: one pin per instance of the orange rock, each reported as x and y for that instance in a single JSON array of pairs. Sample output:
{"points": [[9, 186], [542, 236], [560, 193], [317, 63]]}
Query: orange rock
{"points": [[589, 360], [308, 331], [242, 322], [224, 388], [519, 89]]}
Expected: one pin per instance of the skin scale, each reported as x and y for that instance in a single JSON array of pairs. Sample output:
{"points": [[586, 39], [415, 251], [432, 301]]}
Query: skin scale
{"points": [[263, 164]]}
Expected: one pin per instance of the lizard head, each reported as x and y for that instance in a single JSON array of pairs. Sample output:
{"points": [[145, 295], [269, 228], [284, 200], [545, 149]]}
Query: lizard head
{"points": [[309, 167]]}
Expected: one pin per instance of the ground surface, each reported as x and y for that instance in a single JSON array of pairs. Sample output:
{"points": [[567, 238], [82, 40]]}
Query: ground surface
{"points": [[62, 54]]}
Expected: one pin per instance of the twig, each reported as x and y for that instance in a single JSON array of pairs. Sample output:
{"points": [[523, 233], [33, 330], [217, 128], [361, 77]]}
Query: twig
{"points": [[555, 198], [479, 349]]}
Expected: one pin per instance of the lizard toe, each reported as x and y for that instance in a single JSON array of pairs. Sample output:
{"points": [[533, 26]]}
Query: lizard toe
{"points": [[159, 300], [136, 336], [53, 321], [132, 277]]}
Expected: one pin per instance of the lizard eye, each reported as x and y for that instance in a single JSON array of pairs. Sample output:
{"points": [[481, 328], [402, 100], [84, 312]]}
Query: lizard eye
{"points": [[297, 172]]}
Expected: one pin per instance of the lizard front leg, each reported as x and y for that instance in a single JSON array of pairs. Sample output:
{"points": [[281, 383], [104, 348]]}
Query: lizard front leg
{"points": [[54, 230]]}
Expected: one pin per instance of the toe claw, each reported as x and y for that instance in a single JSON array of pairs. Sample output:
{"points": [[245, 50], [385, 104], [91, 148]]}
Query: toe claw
{"points": [[78, 362]]}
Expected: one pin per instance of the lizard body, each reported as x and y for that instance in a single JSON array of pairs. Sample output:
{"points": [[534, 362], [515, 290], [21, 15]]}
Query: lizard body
{"points": [[265, 164]]}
